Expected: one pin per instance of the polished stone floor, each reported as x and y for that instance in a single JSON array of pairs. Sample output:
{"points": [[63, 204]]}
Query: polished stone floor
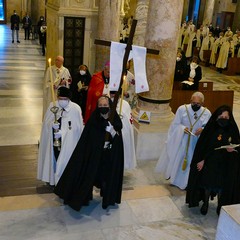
{"points": [[151, 208]]}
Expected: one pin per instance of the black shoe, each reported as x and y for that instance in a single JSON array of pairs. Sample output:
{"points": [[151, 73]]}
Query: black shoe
{"points": [[204, 208], [12, 41], [24, 38], [18, 41]]}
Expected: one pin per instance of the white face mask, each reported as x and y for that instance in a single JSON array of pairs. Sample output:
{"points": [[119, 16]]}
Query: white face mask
{"points": [[193, 64], [82, 72], [63, 103], [178, 59]]}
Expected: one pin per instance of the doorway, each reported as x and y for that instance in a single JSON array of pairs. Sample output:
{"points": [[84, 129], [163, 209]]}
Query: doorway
{"points": [[3, 11]]}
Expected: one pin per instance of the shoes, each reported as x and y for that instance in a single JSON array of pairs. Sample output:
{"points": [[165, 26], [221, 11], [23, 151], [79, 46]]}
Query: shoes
{"points": [[204, 208], [12, 41], [18, 41], [24, 38]]}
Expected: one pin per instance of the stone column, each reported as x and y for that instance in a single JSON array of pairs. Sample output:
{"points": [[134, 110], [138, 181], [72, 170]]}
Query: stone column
{"points": [[108, 29], [164, 20], [236, 20], [141, 17], [208, 13]]}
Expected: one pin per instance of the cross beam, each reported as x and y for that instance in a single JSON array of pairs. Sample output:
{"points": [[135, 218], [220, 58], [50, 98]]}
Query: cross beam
{"points": [[125, 60]]}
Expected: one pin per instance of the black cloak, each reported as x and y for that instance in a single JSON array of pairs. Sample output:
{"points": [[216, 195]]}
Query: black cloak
{"points": [[80, 97], [91, 165], [221, 170]]}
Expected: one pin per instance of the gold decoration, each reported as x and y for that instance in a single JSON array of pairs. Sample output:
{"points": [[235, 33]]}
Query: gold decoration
{"points": [[184, 165]]}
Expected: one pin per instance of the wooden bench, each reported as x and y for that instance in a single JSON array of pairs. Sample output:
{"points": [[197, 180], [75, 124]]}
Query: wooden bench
{"points": [[203, 85], [213, 99], [233, 66]]}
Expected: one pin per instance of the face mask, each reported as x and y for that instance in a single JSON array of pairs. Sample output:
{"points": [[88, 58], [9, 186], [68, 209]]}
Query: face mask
{"points": [[223, 122], [63, 103], [103, 110], [195, 107], [178, 59], [193, 64], [82, 72]]}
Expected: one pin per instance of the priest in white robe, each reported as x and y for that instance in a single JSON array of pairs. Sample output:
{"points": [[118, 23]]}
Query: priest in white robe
{"points": [[183, 134], [61, 77], [67, 130]]}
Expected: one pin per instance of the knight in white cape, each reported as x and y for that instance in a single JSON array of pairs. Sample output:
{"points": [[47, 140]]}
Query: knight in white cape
{"points": [[180, 144], [51, 168]]}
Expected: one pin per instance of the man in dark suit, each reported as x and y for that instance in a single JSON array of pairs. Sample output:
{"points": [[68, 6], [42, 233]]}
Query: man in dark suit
{"points": [[27, 25], [15, 20]]}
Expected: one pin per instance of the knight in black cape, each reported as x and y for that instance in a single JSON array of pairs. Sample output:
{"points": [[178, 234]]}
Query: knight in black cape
{"points": [[220, 173], [95, 162]]}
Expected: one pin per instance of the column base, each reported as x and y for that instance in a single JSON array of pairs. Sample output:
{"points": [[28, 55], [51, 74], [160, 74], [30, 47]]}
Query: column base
{"points": [[150, 138]]}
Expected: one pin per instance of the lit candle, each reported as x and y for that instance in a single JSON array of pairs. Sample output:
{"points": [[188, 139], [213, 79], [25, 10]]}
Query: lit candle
{"points": [[51, 78]]}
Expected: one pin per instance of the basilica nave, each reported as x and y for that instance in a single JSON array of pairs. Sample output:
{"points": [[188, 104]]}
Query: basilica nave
{"points": [[151, 208]]}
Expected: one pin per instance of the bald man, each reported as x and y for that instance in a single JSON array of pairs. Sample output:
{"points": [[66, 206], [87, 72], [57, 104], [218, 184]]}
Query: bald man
{"points": [[61, 77]]}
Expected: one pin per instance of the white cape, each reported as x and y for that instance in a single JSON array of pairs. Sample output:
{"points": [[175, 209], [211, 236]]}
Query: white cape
{"points": [[130, 161], [50, 170]]}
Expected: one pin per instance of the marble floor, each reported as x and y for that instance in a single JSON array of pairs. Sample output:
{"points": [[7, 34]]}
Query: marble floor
{"points": [[151, 208]]}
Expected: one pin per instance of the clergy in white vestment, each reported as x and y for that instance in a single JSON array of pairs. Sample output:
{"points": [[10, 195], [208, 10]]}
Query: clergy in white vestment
{"points": [[60, 77], [125, 112], [183, 134], [67, 130]]}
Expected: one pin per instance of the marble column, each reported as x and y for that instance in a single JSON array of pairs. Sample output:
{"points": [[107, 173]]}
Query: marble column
{"points": [[236, 20], [208, 13], [141, 17], [163, 24], [108, 29]]}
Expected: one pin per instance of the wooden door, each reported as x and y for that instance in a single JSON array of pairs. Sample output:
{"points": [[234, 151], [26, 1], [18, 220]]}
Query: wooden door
{"points": [[74, 28]]}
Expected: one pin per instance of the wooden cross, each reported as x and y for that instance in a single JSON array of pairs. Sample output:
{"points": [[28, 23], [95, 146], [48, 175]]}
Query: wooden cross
{"points": [[125, 60]]}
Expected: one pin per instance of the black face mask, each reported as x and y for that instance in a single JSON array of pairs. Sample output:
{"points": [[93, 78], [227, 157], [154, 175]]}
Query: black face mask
{"points": [[195, 107], [223, 122], [103, 110]]}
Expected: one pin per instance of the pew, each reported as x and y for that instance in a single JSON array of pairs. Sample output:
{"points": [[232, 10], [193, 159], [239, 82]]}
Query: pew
{"points": [[213, 99], [233, 66], [206, 56], [203, 85]]}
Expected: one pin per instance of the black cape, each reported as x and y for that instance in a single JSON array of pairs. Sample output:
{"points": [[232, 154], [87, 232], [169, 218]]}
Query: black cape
{"points": [[90, 165], [80, 97], [221, 169]]}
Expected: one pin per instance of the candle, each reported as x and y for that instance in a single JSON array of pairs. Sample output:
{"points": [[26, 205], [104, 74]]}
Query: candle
{"points": [[51, 78]]}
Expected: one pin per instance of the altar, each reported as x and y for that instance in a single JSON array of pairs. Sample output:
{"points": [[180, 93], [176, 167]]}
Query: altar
{"points": [[228, 227]]}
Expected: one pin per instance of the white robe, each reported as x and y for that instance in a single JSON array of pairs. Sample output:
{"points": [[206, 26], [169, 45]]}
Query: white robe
{"points": [[57, 76], [130, 161], [171, 159], [50, 170]]}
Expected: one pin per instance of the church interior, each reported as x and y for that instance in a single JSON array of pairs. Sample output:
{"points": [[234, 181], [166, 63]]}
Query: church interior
{"points": [[151, 207]]}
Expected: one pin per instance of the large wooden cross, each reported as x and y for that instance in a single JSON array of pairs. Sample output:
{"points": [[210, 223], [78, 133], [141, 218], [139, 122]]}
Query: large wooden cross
{"points": [[125, 60]]}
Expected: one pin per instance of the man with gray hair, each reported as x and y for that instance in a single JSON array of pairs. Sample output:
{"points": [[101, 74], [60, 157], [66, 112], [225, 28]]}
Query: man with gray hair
{"points": [[183, 134]]}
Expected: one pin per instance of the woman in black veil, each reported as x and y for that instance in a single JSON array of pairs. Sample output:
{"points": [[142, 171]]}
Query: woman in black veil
{"points": [[215, 167]]}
